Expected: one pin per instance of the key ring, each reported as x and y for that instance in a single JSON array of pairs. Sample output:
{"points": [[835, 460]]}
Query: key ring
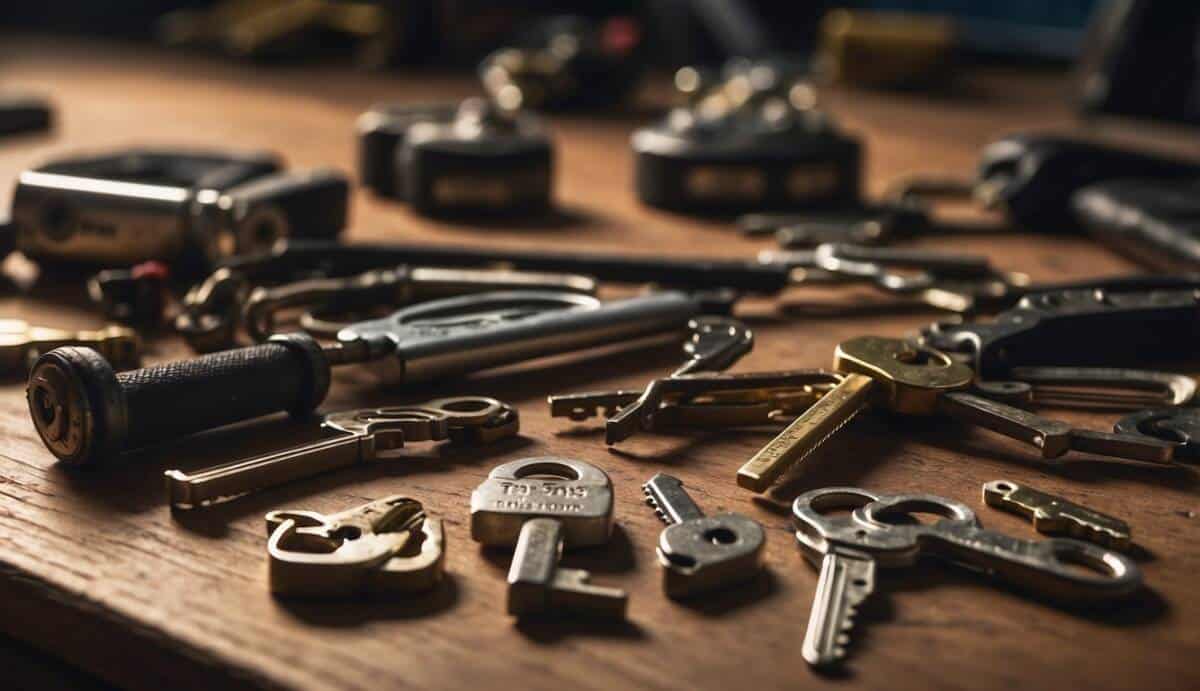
{"points": [[393, 426], [876, 527]]}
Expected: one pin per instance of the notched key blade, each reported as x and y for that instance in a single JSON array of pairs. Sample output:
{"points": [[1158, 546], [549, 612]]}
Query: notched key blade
{"points": [[1053, 515], [847, 580], [665, 494]]}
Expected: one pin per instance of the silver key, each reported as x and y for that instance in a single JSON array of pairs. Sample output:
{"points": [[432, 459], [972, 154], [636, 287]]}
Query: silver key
{"points": [[881, 529], [847, 579], [700, 553], [537, 584], [577, 493], [540, 506]]}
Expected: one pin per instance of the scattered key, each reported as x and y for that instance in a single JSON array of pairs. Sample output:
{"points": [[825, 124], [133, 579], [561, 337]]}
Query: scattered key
{"points": [[880, 531], [709, 399], [913, 380], [1053, 515], [541, 505], [537, 584], [847, 579], [547, 487], [700, 553], [715, 344], [21, 343], [364, 435], [358, 551]]}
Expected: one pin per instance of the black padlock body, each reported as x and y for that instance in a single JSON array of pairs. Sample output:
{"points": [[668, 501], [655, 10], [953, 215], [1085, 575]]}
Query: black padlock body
{"points": [[129, 206], [1032, 177], [189, 168], [1077, 328], [1154, 222], [501, 171], [311, 205], [733, 167], [381, 131]]}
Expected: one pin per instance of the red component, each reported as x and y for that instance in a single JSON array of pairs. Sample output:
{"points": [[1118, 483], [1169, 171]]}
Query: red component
{"points": [[620, 35], [154, 270]]}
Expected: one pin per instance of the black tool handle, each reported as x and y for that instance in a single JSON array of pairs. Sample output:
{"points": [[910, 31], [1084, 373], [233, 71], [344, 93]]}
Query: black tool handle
{"points": [[87, 414]]}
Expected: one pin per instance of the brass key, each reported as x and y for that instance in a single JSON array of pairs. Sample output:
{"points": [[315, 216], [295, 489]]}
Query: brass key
{"points": [[22, 343], [920, 381], [365, 435]]}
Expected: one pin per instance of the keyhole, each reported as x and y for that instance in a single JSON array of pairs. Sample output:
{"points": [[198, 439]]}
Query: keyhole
{"points": [[720, 536]]}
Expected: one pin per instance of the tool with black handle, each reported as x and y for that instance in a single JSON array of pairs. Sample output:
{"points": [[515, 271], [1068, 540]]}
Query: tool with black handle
{"points": [[87, 414]]}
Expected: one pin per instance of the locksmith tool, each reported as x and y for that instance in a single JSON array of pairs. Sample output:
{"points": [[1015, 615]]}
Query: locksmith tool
{"points": [[327, 288], [87, 414]]}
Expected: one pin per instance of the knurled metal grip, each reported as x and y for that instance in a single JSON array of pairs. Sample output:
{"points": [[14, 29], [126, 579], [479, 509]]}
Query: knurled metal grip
{"points": [[87, 414]]}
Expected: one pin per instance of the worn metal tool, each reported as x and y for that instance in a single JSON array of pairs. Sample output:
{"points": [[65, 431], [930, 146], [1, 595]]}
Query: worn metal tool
{"points": [[708, 399], [1090, 387], [322, 300], [1079, 328], [881, 531], [22, 343], [186, 208], [363, 436], [715, 343], [1178, 425], [541, 505], [919, 381], [701, 553], [1056, 516], [368, 549], [107, 413], [699, 273]]}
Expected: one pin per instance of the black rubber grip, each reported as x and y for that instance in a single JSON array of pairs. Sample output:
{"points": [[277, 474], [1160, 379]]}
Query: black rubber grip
{"points": [[179, 398]]}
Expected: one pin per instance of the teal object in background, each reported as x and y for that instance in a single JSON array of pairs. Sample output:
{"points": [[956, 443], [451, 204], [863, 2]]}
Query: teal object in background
{"points": [[1028, 28]]}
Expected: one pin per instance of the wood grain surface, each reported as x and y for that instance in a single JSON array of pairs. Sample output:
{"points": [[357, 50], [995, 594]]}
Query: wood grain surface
{"points": [[95, 569]]}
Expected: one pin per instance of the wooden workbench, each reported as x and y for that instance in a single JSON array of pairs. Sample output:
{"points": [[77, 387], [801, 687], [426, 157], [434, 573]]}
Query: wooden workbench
{"points": [[97, 571]]}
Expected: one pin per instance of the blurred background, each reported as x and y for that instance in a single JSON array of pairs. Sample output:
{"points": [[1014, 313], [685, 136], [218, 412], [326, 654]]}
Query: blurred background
{"points": [[1135, 57]]}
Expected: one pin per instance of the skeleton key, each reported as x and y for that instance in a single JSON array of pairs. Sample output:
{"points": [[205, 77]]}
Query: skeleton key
{"points": [[541, 505], [880, 531], [1053, 515], [716, 343], [709, 399], [21, 344], [366, 434], [920, 381], [700, 553], [361, 550]]}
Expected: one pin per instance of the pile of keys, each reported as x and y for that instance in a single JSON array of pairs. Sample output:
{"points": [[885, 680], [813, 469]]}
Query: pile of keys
{"points": [[751, 139]]}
